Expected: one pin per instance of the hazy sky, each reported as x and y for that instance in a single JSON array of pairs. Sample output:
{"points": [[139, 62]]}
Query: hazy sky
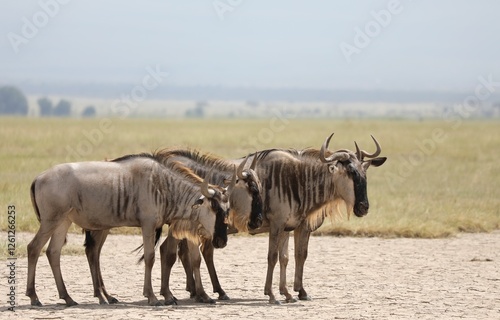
{"points": [[395, 45]]}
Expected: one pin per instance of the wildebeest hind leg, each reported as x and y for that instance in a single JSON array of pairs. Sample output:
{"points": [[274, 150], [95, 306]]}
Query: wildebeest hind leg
{"points": [[34, 248], [93, 249], [54, 255], [148, 237]]}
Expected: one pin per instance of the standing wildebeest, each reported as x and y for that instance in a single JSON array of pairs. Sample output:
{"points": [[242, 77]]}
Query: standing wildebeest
{"points": [[300, 189], [245, 204], [245, 212], [135, 191]]}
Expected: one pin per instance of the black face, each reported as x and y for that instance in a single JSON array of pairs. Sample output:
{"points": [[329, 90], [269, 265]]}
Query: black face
{"points": [[256, 213], [361, 204], [219, 239]]}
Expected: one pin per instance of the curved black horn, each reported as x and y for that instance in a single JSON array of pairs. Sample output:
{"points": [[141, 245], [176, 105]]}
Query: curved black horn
{"points": [[324, 147], [254, 162], [239, 171], [338, 155], [208, 193], [233, 181], [371, 155], [358, 152]]}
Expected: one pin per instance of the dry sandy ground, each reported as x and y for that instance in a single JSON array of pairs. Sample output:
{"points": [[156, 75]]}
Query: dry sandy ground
{"points": [[348, 278]]}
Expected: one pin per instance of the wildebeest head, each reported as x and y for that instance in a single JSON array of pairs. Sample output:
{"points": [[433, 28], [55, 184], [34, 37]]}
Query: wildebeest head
{"points": [[349, 174], [213, 208], [245, 197]]}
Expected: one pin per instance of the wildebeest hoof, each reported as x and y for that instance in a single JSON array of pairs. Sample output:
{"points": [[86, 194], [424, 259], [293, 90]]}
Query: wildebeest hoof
{"points": [[305, 298], [275, 302], [171, 302], [291, 300], [71, 303], [205, 300], [36, 303], [113, 300], [103, 302], [224, 297], [157, 304]]}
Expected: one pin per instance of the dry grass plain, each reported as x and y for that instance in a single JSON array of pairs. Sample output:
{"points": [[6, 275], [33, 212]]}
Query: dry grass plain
{"points": [[441, 177]]}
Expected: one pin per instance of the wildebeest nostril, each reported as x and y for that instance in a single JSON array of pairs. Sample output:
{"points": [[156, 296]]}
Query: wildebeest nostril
{"points": [[219, 243], [257, 223]]}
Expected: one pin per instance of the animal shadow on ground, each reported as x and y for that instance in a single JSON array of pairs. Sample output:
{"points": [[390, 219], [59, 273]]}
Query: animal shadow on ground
{"points": [[143, 304]]}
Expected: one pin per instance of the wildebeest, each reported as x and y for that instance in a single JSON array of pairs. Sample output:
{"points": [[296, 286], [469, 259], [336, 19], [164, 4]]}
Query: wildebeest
{"points": [[300, 189], [135, 191], [245, 205], [245, 212]]}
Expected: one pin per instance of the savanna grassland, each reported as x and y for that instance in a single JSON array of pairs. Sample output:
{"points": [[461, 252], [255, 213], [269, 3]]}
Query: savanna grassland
{"points": [[440, 178]]}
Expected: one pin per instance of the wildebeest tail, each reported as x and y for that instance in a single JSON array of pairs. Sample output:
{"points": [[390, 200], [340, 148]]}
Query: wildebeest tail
{"points": [[157, 239], [33, 200], [89, 240]]}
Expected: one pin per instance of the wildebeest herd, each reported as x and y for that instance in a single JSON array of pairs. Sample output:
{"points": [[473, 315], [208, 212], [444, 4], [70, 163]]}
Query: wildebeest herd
{"points": [[201, 198]]}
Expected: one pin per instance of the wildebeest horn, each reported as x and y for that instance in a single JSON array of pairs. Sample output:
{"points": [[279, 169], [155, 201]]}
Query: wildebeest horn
{"points": [[339, 155], [205, 190], [362, 153], [254, 162], [233, 181], [242, 175], [358, 153]]}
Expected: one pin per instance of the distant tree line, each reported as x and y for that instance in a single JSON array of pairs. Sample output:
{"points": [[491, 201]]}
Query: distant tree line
{"points": [[61, 109], [14, 102], [47, 108]]}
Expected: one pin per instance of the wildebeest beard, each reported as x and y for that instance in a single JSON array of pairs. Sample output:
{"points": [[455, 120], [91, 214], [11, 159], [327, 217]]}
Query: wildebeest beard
{"points": [[361, 203], [256, 213], [219, 239]]}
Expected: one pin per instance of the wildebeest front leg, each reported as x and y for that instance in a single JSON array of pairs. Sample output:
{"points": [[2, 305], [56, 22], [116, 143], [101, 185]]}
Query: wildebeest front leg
{"points": [[188, 268], [93, 249], [148, 236], [53, 253], [276, 238], [283, 258], [301, 240], [195, 257], [168, 254], [207, 250]]}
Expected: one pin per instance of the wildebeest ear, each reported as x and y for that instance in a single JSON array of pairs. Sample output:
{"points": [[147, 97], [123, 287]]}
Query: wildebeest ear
{"points": [[198, 203], [333, 167], [376, 162]]}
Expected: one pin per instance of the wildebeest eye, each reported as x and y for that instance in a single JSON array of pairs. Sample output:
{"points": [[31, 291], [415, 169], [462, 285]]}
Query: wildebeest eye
{"points": [[252, 186], [351, 169]]}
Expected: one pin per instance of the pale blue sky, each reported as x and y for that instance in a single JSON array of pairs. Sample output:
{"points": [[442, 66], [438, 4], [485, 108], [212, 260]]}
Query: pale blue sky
{"points": [[426, 45]]}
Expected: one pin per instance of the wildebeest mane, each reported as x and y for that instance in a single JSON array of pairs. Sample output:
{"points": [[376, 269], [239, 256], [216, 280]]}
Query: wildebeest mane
{"points": [[205, 159], [201, 162], [134, 156]]}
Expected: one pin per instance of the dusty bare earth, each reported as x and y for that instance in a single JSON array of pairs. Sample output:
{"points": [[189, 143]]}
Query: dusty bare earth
{"points": [[348, 278]]}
